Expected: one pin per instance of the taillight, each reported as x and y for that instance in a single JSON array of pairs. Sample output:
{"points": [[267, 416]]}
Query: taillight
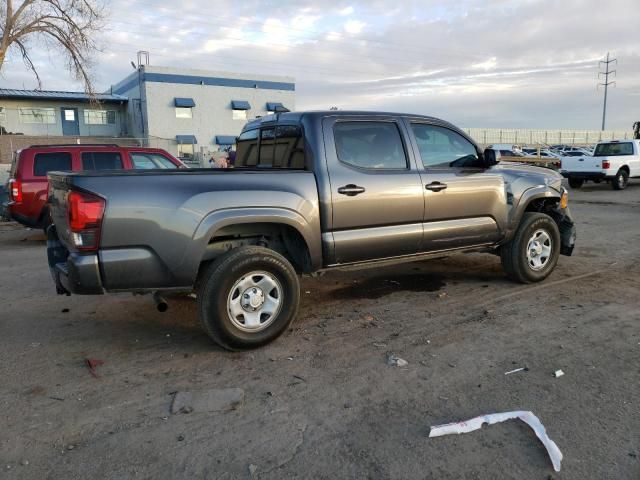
{"points": [[606, 165], [15, 190], [85, 219]]}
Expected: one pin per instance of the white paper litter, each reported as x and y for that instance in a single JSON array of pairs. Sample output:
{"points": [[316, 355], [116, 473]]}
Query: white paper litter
{"points": [[558, 373], [516, 370], [527, 417]]}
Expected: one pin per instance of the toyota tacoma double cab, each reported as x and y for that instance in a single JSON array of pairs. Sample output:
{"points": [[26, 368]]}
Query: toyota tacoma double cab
{"points": [[308, 192], [615, 161]]}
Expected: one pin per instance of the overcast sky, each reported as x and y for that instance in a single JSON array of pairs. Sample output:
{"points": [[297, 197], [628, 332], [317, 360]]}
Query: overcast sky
{"points": [[489, 63]]}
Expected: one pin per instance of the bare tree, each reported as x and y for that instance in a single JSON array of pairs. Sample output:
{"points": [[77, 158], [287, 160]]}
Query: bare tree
{"points": [[66, 25]]}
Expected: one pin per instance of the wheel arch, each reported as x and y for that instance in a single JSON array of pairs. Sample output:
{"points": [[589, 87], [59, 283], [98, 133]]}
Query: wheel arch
{"points": [[281, 229]]}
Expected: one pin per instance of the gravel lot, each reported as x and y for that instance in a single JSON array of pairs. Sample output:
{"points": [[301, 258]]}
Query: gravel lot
{"points": [[321, 402]]}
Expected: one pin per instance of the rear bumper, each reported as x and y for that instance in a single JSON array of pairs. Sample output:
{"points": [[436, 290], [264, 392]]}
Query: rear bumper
{"points": [[585, 175], [23, 219], [72, 272]]}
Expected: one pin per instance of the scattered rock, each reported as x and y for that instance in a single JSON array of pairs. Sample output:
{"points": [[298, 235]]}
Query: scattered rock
{"points": [[70, 447], [216, 400], [180, 438], [65, 310], [395, 361], [442, 294]]}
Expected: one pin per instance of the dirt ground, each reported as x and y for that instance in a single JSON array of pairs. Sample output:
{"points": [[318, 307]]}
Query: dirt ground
{"points": [[321, 402]]}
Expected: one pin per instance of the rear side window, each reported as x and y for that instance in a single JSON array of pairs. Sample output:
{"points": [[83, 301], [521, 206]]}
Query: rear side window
{"points": [[372, 145], [146, 161], [443, 148], [50, 162], [101, 161]]}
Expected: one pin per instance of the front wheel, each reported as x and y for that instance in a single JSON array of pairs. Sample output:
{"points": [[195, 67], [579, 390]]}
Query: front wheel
{"points": [[533, 252], [248, 297], [621, 180]]}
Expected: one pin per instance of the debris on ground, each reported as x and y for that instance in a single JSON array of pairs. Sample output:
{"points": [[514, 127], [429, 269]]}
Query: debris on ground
{"points": [[92, 364], [476, 423], [521, 369], [216, 400], [253, 469], [395, 361], [558, 373], [442, 295], [65, 310]]}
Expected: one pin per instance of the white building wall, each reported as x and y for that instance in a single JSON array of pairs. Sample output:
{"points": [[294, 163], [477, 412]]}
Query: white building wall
{"points": [[212, 114]]}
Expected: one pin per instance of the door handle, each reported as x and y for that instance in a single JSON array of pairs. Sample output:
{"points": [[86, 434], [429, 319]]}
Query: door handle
{"points": [[351, 190], [436, 186]]}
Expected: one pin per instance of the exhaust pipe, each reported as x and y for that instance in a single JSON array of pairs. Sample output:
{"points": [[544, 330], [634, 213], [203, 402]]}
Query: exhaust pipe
{"points": [[161, 303]]}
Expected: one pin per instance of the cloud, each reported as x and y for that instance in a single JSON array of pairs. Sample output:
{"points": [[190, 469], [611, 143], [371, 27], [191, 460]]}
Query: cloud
{"points": [[354, 26], [524, 63], [346, 11]]}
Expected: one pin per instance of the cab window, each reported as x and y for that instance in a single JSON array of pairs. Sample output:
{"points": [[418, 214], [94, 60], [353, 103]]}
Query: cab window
{"points": [[370, 145], [441, 147]]}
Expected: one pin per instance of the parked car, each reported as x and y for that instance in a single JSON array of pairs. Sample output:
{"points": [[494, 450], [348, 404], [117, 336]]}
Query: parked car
{"points": [[309, 192], [612, 161], [28, 184]]}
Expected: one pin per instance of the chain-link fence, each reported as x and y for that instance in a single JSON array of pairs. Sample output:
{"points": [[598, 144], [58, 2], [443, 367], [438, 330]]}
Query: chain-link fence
{"points": [[487, 136]]}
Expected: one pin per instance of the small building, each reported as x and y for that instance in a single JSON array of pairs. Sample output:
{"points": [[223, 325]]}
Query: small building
{"points": [[192, 113], [52, 113]]}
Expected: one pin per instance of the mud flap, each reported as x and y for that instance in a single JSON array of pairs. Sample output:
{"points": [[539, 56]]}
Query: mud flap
{"points": [[56, 254]]}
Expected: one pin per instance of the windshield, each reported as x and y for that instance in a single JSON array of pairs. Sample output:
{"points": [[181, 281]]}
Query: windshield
{"points": [[613, 149]]}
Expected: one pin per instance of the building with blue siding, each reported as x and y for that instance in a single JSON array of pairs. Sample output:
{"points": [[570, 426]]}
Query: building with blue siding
{"points": [[193, 113]]}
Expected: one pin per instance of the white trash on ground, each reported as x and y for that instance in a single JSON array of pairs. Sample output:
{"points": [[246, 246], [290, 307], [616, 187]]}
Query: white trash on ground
{"points": [[528, 417]]}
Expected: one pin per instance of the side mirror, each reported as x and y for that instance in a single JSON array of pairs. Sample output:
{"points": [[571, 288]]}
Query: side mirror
{"points": [[490, 157]]}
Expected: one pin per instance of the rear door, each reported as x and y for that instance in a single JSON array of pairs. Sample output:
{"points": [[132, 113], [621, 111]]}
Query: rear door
{"points": [[465, 203], [376, 192]]}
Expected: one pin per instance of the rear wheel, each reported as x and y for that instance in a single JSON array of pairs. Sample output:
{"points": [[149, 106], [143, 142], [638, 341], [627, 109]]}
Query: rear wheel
{"points": [[533, 252], [248, 297], [621, 180], [576, 182]]}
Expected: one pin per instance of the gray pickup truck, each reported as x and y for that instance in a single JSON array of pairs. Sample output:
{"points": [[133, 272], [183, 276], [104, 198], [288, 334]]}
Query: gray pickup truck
{"points": [[308, 192]]}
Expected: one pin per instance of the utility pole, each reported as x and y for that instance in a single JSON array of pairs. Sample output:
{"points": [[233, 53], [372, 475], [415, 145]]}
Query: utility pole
{"points": [[606, 83]]}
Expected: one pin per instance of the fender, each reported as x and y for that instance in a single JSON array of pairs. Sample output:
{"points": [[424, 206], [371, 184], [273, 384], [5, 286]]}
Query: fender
{"points": [[218, 219], [529, 195]]}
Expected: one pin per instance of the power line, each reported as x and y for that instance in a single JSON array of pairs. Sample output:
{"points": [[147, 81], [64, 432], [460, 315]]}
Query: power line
{"points": [[606, 83]]}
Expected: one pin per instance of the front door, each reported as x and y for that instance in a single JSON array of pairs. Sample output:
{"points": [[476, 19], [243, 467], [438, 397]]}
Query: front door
{"points": [[376, 193], [465, 203], [70, 122]]}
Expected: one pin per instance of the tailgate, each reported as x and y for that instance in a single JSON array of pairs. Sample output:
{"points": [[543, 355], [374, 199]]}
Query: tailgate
{"points": [[582, 164]]}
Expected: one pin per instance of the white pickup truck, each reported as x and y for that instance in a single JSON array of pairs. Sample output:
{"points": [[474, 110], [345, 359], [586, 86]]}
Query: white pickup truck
{"points": [[615, 161]]}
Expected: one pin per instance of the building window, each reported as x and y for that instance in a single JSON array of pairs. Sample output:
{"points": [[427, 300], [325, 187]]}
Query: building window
{"points": [[185, 151], [37, 115], [183, 112], [100, 117], [239, 114]]}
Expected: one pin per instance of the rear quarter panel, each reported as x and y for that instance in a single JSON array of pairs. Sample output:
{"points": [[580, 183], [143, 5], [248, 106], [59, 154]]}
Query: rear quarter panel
{"points": [[173, 216]]}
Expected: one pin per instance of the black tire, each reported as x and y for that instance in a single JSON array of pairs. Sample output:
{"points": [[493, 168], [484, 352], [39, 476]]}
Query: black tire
{"points": [[621, 180], [215, 290], [576, 182], [514, 254]]}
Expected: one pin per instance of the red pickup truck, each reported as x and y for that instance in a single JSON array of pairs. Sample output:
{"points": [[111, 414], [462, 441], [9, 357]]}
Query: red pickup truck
{"points": [[28, 183]]}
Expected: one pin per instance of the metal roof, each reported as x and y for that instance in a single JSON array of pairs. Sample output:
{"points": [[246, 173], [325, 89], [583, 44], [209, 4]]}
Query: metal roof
{"points": [[10, 93]]}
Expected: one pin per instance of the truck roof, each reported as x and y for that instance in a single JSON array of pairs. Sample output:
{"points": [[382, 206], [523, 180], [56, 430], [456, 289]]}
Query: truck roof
{"points": [[296, 117]]}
